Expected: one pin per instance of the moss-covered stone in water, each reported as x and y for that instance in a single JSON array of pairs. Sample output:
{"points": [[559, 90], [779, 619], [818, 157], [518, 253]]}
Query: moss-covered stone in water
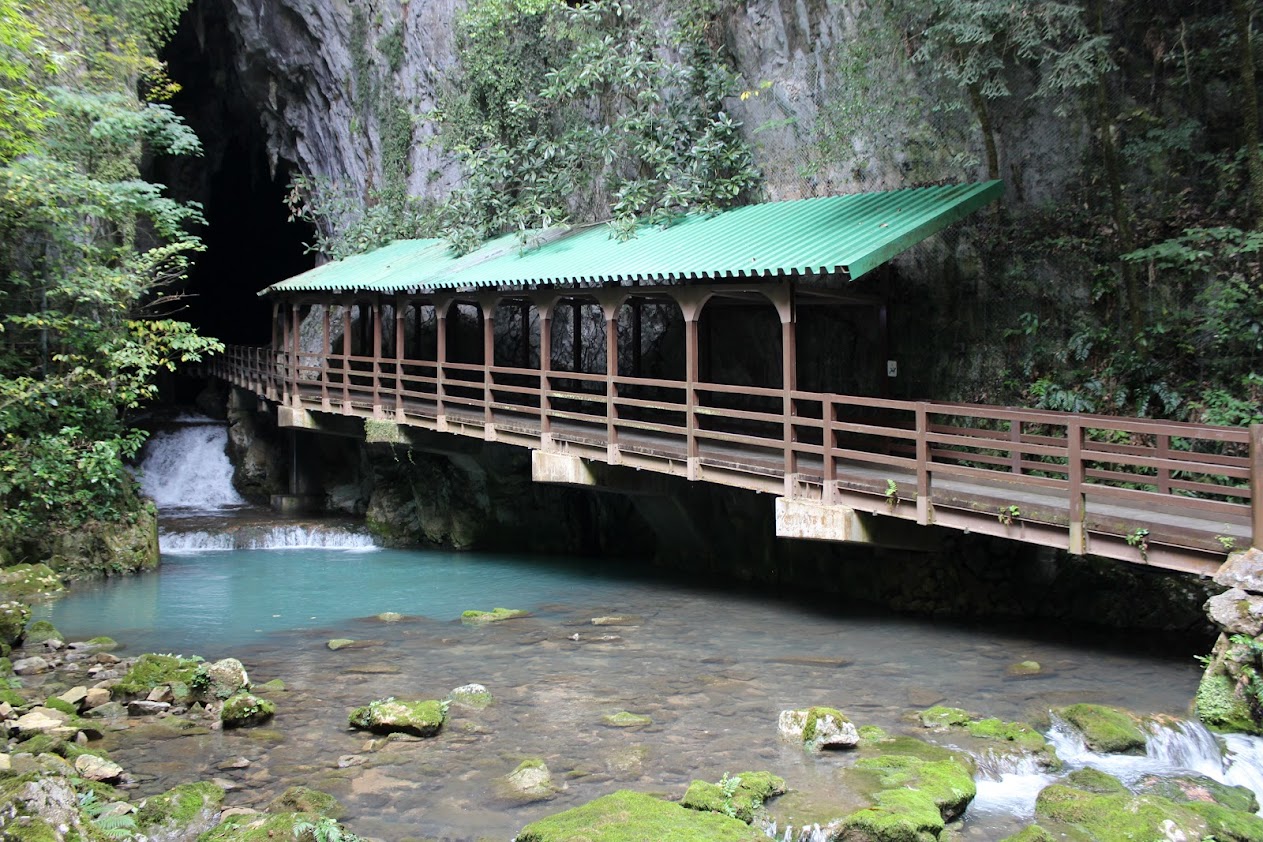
{"points": [[152, 671], [1192, 788], [63, 706], [13, 618], [941, 718], [180, 806], [254, 828], [1034, 833], [1094, 780], [495, 615], [387, 716], [104, 642], [897, 815], [301, 799], [625, 719], [739, 796], [946, 783], [1220, 706], [41, 631], [1105, 729], [273, 686], [245, 709], [627, 816], [814, 715]]}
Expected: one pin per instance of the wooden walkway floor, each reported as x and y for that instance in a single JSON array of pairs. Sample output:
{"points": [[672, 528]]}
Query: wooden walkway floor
{"points": [[1169, 495]]}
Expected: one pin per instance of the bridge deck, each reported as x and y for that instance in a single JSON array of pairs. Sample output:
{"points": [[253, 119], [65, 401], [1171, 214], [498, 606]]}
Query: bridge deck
{"points": [[1170, 495]]}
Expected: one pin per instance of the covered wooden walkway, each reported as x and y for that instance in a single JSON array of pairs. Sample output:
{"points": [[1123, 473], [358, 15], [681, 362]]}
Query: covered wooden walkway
{"points": [[551, 360]]}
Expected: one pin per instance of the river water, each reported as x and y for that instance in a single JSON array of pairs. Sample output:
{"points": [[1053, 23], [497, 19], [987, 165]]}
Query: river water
{"points": [[712, 666]]}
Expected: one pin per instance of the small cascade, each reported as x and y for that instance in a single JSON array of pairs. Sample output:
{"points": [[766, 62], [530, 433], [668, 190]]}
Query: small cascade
{"points": [[186, 467], [279, 536]]}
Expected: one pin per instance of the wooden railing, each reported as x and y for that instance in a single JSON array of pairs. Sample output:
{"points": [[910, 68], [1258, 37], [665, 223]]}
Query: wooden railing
{"points": [[1136, 481]]}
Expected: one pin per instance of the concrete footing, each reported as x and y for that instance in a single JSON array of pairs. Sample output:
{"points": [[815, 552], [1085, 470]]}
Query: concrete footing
{"points": [[298, 504], [811, 521]]}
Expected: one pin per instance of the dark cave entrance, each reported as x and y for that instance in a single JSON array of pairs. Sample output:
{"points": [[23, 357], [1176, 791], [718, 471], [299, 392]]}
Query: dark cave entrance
{"points": [[249, 239]]}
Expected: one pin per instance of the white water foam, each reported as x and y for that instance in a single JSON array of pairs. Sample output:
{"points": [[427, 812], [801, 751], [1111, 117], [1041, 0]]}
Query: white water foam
{"points": [[1178, 746], [188, 468], [278, 537]]}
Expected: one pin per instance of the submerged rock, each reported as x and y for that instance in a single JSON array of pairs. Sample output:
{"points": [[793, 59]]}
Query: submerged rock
{"points": [[626, 815], [531, 781], [474, 696], [818, 728], [245, 709], [739, 796], [421, 718], [302, 799], [476, 618], [1010, 736], [625, 719], [1189, 787]]}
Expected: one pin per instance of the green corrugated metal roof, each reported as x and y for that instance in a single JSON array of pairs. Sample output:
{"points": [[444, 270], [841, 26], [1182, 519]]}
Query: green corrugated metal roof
{"points": [[848, 235]]}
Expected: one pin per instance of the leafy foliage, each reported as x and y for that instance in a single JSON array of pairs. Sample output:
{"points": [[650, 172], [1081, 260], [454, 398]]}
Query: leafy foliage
{"points": [[586, 112], [89, 256]]}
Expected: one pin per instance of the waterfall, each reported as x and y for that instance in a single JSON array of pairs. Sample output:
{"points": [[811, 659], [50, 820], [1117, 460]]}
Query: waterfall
{"points": [[187, 473], [187, 467]]}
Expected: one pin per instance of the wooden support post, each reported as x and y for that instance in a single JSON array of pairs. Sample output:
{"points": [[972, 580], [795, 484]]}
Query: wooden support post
{"points": [[325, 350], [295, 344], [1163, 442], [376, 309], [611, 301], [440, 360], [1015, 454], [545, 309], [924, 492], [346, 355], [401, 306], [789, 382], [690, 393], [829, 476], [487, 306], [1256, 485], [1078, 503]]}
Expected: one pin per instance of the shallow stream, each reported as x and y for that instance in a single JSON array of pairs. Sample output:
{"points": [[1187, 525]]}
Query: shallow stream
{"points": [[711, 665]]}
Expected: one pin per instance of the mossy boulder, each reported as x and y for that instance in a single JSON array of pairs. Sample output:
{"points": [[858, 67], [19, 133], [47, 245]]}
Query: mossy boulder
{"points": [[1024, 669], [150, 671], [1105, 729], [273, 686], [1016, 735], [1108, 812], [98, 548], [301, 799], [27, 582], [946, 784], [897, 815], [818, 728], [41, 631], [495, 615], [1220, 705], [739, 796], [222, 679], [258, 828], [626, 719], [14, 616], [422, 718], [102, 643], [939, 718], [1189, 788], [243, 710], [627, 816], [186, 811]]}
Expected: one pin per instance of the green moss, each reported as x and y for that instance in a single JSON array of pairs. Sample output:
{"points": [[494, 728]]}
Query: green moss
{"points": [[273, 686], [29, 829], [385, 716], [814, 715], [940, 718], [625, 719], [627, 816], [340, 643], [63, 706], [1034, 833], [1020, 733], [253, 828], [179, 806], [245, 709], [870, 734], [1189, 787], [1094, 780], [900, 815], [947, 783], [1225, 823], [739, 796], [42, 744], [1105, 729], [1220, 706], [1024, 668], [29, 581], [471, 697], [12, 697], [301, 799], [41, 631], [104, 642], [152, 671], [1123, 817], [495, 615]]}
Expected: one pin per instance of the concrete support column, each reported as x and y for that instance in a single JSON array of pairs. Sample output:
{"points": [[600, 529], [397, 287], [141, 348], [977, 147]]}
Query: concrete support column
{"points": [[376, 309], [325, 350], [611, 301], [401, 307], [294, 345], [347, 304]]}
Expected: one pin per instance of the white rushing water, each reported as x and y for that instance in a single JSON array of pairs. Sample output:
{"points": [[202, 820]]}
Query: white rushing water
{"points": [[1180, 746], [187, 467], [187, 473]]}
